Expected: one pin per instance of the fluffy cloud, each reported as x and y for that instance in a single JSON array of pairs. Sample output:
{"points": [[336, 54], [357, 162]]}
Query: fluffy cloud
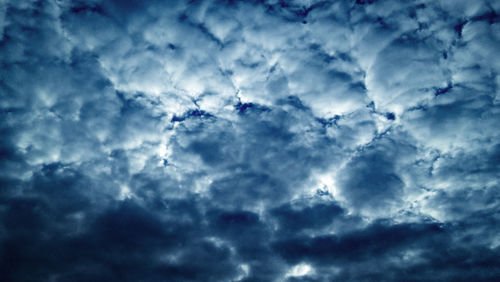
{"points": [[249, 140]]}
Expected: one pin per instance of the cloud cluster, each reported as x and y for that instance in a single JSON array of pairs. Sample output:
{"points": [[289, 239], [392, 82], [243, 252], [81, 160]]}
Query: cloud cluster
{"points": [[249, 140]]}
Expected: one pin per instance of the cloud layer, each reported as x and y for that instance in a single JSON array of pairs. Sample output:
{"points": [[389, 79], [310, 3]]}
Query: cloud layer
{"points": [[249, 140]]}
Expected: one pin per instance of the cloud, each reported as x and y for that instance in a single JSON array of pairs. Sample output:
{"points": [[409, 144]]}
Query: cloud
{"points": [[249, 141]]}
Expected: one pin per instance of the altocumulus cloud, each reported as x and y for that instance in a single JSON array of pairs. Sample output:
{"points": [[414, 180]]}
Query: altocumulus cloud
{"points": [[249, 140]]}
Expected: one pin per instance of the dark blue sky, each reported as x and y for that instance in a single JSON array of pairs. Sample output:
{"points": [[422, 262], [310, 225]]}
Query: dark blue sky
{"points": [[249, 140]]}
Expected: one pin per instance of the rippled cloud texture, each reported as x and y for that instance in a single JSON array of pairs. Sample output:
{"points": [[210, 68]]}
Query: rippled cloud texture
{"points": [[249, 140]]}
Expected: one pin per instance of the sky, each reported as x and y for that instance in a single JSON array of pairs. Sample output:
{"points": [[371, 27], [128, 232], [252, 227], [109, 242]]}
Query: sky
{"points": [[347, 140]]}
